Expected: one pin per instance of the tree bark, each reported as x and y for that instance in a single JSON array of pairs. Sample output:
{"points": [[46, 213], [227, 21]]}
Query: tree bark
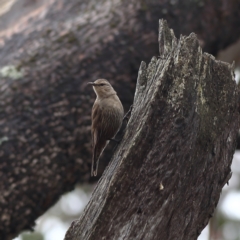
{"points": [[45, 104], [166, 176]]}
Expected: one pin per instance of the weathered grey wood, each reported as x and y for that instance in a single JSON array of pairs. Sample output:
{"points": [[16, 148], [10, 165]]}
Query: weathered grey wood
{"points": [[165, 179]]}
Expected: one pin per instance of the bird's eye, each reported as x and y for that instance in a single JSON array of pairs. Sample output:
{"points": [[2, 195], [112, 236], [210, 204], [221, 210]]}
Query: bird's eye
{"points": [[102, 84]]}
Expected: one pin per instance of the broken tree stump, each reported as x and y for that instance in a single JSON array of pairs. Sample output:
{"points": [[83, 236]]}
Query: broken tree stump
{"points": [[166, 176]]}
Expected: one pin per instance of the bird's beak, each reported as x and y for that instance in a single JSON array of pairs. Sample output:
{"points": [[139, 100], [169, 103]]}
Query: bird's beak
{"points": [[91, 83]]}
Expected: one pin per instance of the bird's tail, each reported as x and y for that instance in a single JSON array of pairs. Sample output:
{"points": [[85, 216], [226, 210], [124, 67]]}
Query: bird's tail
{"points": [[97, 151], [95, 161]]}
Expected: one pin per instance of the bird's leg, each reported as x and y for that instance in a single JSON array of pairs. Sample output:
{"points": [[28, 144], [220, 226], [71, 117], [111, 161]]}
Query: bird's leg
{"points": [[115, 140], [126, 117]]}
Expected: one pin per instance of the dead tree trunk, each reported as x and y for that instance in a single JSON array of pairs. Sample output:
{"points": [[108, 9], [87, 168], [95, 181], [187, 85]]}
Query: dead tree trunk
{"points": [[167, 174]]}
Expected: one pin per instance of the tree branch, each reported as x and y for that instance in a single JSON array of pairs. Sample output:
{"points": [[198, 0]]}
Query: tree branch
{"points": [[165, 178]]}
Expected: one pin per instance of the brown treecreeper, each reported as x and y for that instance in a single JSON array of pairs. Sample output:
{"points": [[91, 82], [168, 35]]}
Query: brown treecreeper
{"points": [[107, 117]]}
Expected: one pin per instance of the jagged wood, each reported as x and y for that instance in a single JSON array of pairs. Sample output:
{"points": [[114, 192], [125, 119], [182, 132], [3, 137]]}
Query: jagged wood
{"points": [[165, 178], [45, 114]]}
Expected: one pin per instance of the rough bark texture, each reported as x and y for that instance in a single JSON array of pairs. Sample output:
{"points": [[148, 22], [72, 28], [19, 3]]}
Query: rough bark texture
{"points": [[165, 178], [45, 104]]}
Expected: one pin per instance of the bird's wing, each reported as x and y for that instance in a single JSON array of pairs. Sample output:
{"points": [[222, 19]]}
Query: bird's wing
{"points": [[98, 146], [105, 125], [96, 123]]}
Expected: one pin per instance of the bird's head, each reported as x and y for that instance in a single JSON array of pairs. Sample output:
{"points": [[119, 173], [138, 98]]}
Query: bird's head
{"points": [[102, 88]]}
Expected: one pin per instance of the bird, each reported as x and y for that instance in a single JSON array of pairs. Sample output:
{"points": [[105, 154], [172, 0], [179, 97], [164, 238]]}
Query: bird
{"points": [[107, 117]]}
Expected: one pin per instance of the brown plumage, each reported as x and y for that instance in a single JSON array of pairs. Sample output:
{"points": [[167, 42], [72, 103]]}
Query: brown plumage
{"points": [[107, 115]]}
